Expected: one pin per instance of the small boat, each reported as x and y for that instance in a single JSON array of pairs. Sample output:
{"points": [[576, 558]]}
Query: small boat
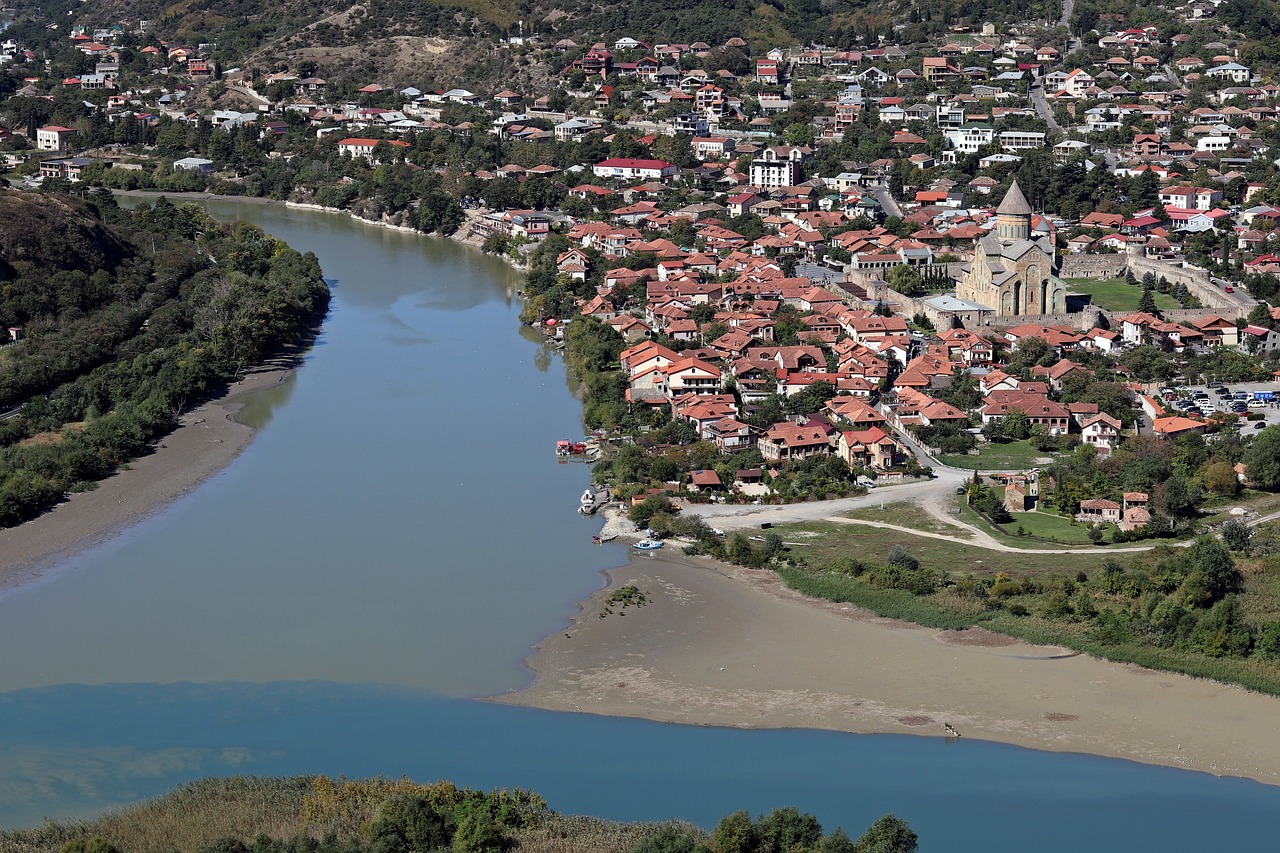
{"points": [[588, 501], [647, 545]]}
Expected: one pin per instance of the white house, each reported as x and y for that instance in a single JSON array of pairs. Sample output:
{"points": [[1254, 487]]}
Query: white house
{"points": [[1230, 71], [626, 168]]}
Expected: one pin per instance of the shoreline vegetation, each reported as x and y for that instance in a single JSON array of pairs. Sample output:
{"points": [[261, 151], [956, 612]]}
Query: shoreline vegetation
{"points": [[318, 814], [205, 440], [121, 398]]}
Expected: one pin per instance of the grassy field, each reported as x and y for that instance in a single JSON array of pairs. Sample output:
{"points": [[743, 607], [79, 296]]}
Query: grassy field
{"points": [[1014, 456], [1046, 599], [907, 514], [1049, 527], [1040, 529], [841, 541], [1115, 294]]}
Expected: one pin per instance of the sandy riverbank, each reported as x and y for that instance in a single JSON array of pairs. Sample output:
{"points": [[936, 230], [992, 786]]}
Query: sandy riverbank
{"points": [[207, 440], [717, 645]]}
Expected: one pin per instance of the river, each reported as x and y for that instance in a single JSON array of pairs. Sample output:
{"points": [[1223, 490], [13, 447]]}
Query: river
{"points": [[394, 541]]}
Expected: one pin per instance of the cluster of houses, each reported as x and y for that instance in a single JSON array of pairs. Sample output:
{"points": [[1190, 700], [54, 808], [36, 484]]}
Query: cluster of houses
{"points": [[826, 251]]}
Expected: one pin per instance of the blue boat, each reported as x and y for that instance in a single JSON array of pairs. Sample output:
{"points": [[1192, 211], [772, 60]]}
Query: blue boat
{"points": [[647, 545]]}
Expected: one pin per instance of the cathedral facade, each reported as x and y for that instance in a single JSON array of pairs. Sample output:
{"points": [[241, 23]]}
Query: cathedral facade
{"points": [[1013, 274]]}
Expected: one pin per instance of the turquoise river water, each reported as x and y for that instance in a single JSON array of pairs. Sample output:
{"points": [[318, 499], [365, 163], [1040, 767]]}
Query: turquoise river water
{"points": [[395, 541]]}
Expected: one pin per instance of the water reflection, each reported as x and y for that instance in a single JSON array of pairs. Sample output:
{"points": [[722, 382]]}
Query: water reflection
{"points": [[256, 408]]}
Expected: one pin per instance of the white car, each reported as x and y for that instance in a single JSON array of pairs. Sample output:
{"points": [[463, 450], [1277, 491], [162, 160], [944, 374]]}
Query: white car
{"points": [[1257, 404]]}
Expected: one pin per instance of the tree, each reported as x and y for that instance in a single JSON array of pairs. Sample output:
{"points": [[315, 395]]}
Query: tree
{"points": [[1262, 460], [1147, 303], [1261, 316], [735, 833], [1236, 535], [904, 279], [889, 834], [1214, 574], [1179, 497], [1017, 426], [811, 399], [787, 829], [407, 823], [1029, 352], [1219, 477], [478, 832]]}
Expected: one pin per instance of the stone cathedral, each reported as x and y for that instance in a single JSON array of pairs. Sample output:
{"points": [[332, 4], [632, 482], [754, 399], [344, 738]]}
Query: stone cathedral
{"points": [[1012, 273]]}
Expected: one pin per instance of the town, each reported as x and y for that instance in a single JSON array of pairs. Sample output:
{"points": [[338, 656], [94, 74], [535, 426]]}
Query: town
{"points": [[796, 271]]}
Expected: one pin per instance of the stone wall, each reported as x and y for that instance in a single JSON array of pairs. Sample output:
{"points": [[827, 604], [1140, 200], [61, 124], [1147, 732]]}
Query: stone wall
{"points": [[1195, 280], [1092, 266]]}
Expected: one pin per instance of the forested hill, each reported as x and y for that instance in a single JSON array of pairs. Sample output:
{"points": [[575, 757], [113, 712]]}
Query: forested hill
{"points": [[113, 322]]}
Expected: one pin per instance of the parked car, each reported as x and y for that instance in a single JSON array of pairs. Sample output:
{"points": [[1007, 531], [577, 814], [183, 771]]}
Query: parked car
{"points": [[1259, 424], [1229, 289], [1256, 404]]}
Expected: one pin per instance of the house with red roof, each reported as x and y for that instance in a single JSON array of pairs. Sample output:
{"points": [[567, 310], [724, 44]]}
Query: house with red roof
{"points": [[630, 168], [786, 441], [868, 448]]}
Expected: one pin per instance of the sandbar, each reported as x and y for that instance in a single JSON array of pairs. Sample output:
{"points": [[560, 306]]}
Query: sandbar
{"points": [[207, 439], [725, 646]]}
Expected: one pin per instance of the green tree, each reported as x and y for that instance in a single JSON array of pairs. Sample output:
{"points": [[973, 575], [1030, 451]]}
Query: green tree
{"points": [[788, 830], [409, 823], [900, 558], [811, 399], [1017, 425], [889, 834], [1219, 477], [735, 833], [1214, 574], [1262, 460], [478, 832], [1147, 302], [1236, 535]]}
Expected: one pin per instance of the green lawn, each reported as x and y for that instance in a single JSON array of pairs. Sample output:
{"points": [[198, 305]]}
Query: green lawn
{"points": [[1014, 456], [841, 541], [1115, 294], [1041, 529], [1049, 527]]}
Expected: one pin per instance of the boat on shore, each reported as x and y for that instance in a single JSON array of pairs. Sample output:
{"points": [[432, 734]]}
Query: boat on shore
{"points": [[647, 545]]}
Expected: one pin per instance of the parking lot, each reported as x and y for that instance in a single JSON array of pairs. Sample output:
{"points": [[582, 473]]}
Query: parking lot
{"points": [[1209, 401]]}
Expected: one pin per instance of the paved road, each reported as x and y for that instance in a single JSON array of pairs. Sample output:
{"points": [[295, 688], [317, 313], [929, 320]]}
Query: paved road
{"points": [[887, 202], [1068, 6], [1043, 109], [248, 93], [738, 517]]}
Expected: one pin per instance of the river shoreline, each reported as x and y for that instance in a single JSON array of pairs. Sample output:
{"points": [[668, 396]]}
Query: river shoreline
{"points": [[463, 235], [718, 645], [207, 440], [721, 646]]}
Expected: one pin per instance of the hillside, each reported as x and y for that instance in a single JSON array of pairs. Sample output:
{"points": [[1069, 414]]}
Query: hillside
{"points": [[116, 321], [444, 43]]}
